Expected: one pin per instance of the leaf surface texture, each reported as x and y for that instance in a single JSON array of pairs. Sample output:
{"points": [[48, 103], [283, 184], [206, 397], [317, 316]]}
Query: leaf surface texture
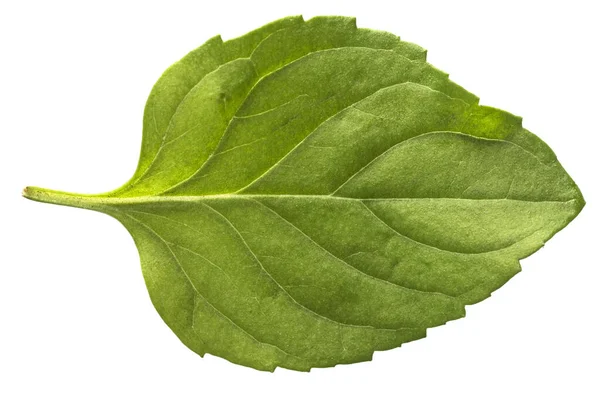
{"points": [[311, 192]]}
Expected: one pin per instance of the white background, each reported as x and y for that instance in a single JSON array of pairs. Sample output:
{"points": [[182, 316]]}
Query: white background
{"points": [[78, 333]]}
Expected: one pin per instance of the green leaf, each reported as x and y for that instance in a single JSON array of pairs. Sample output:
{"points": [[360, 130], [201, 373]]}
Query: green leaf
{"points": [[311, 192]]}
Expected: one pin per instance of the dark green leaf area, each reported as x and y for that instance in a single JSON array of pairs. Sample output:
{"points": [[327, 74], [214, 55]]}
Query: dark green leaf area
{"points": [[322, 193]]}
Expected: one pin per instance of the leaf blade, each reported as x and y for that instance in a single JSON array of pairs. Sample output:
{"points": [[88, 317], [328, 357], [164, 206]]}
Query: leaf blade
{"points": [[312, 192]]}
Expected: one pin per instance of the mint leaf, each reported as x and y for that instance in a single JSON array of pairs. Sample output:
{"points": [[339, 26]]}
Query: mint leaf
{"points": [[311, 192]]}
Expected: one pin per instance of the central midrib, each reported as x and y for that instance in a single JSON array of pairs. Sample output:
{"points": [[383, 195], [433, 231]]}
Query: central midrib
{"points": [[102, 202]]}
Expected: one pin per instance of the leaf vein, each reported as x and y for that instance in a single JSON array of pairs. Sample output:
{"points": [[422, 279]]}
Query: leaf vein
{"points": [[377, 279], [321, 124], [198, 294], [301, 306]]}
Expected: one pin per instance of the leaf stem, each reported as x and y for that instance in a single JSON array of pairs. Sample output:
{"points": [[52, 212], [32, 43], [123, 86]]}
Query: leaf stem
{"points": [[44, 195]]}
